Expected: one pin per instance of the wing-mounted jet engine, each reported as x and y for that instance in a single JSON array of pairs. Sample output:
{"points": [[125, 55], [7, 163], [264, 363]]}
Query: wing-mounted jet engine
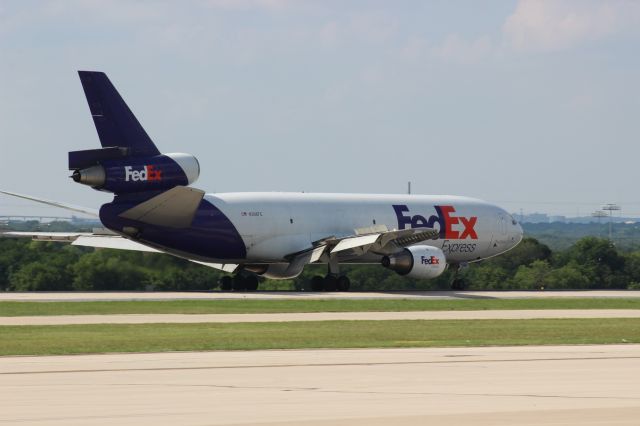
{"points": [[418, 261]]}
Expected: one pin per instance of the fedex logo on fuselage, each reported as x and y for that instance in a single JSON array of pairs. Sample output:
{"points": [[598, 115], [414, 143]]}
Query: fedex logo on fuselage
{"points": [[148, 173], [429, 260], [451, 227]]}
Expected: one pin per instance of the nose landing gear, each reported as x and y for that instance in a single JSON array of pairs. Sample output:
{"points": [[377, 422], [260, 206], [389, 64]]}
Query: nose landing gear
{"points": [[458, 283]]}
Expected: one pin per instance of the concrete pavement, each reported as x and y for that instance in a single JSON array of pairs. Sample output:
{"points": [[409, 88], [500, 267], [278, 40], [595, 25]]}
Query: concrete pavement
{"points": [[548, 385]]}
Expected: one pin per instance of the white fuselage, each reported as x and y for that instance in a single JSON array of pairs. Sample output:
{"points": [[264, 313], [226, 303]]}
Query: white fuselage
{"points": [[274, 225]]}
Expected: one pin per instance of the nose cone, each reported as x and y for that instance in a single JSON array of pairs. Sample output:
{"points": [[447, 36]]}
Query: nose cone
{"points": [[515, 233]]}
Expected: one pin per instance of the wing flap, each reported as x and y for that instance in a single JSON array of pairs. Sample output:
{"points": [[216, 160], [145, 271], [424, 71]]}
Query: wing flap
{"points": [[353, 242]]}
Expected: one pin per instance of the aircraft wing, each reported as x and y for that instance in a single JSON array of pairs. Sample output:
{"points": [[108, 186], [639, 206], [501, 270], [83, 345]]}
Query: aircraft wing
{"points": [[103, 240], [380, 241], [385, 241]]}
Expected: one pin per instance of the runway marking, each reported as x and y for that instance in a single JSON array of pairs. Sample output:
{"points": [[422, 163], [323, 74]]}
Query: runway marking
{"points": [[347, 392], [316, 389], [339, 364]]}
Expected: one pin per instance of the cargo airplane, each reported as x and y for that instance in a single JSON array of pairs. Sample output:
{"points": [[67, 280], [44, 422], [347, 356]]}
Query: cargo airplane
{"points": [[273, 235]]}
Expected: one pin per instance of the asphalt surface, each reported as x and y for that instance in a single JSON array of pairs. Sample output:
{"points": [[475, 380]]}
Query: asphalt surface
{"points": [[318, 316], [279, 295], [548, 385]]}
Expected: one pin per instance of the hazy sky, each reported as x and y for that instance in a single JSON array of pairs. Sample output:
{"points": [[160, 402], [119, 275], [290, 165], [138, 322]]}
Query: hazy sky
{"points": [[530, 104]]}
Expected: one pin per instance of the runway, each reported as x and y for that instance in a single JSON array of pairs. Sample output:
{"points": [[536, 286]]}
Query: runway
{"points": [[281, 295], [554, 385], [318, 316]]}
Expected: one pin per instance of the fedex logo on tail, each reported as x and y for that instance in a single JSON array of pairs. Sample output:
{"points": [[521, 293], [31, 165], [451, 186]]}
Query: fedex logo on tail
{"points": [[429, 260], [452, 227], [147, 174]]}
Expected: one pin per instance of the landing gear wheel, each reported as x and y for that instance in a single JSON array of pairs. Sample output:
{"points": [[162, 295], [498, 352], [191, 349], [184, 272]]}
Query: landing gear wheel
{"points": [[343, 283], [251, 282], [226, 283], [458, 284], [317, 283], [239, 283], [330, 283]]}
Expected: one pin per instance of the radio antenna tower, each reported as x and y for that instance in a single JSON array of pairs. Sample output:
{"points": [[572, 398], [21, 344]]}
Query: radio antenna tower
{"points": [[611, 208]]}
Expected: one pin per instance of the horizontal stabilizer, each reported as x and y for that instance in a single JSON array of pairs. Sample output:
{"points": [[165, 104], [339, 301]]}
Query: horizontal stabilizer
{"points": [[174, 208], [63, 237], [101, 240], [111, 242], [84, 210]]}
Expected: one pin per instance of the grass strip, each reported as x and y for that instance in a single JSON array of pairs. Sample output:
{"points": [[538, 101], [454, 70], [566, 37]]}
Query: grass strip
{"points": [[105, 338], [9, 309]]}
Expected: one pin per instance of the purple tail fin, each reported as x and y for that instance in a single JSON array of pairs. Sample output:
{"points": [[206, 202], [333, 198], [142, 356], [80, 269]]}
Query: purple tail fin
{"points": [[115, 123]]}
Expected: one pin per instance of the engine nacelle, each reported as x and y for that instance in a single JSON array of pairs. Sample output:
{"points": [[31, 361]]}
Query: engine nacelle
{"points": [[275, 271], [419, 261], [137, 174]]}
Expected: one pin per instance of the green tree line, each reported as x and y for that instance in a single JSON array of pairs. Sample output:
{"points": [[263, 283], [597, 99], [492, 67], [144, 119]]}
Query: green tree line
{"points": [[590, 263]]}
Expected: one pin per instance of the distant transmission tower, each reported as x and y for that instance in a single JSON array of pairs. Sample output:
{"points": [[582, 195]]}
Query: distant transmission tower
{"points": [[611, 208], [599, 214]]}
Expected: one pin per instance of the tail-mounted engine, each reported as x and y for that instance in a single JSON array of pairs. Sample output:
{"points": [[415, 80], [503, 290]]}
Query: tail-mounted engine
{"points": [[419, 261], [113, 170]]}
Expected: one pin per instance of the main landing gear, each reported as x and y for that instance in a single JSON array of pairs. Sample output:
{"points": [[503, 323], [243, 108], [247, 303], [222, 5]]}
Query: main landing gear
{"points": [[239, 282], [333, 281], [330, 282]]}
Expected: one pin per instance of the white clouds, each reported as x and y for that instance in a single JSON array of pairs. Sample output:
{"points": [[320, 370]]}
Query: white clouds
{"points": [[329, 33], [375, 27], [371, 27], [414, 48], [455, 48], [111, 11], [551, 25], [248, 4]]}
